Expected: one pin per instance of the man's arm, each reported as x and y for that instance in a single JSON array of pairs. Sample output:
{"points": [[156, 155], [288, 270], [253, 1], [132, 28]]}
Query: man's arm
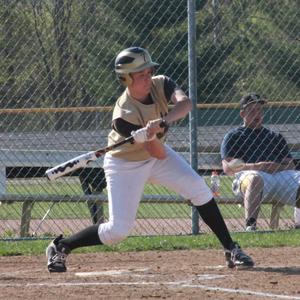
{"points": [[265, 166], [284, 156], [232, 165], [230, 151], [270, 166]]}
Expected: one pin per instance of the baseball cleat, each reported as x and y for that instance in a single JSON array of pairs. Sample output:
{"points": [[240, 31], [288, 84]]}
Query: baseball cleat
{"points": [[251, 228], [237, 258], [56, 258]]}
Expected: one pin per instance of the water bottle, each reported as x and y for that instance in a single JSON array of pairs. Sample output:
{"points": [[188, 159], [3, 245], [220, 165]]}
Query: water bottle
{"points": [[297, 217], [215, 183]]}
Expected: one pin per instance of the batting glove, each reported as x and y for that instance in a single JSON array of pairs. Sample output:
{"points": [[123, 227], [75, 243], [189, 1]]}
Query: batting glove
{"points": [[140, 136]]}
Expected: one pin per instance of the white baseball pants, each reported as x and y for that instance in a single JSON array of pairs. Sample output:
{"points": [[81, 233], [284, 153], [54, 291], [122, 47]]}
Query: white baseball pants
{"points": [[125, 186]]}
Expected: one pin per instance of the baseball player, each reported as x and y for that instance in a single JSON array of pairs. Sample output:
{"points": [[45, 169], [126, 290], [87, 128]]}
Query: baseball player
{"points": [[142, 111], [267, 171]]}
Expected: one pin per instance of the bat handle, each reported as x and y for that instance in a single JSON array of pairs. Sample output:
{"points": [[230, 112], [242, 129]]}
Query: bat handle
{"points": [[163, 124]]}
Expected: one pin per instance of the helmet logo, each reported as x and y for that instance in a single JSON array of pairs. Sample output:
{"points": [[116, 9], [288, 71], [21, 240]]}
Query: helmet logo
{"points": [[144, 56]]}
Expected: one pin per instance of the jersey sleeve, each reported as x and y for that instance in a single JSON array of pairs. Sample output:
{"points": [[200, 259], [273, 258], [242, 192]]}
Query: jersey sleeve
{"points": [[123, 127], [169, 87]]}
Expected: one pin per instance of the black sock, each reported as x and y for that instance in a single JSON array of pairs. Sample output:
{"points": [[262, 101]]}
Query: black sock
{"points": [[87, 237], [251, 222], [211, 215]]}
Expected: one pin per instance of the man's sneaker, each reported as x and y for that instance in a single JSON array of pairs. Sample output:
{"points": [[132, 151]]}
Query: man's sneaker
{"points": [[236, 257], [56, 258], [251, 228]]}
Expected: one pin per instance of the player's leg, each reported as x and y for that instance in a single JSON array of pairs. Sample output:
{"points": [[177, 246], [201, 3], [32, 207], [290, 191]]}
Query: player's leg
{"points": [[125, 187], [58, 250], [125, 184], [176, 174], [252, 186]]}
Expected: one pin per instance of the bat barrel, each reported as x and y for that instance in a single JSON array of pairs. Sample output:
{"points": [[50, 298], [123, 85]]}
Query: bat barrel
{"points": [[81, 161], [70, 166]]}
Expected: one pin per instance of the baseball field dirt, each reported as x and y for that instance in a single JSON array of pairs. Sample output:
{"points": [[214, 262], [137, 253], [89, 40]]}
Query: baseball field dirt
{"points": [[193, 274]]}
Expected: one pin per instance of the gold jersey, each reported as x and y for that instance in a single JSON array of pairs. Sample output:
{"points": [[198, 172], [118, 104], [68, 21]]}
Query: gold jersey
{"points": [[138, 113]]}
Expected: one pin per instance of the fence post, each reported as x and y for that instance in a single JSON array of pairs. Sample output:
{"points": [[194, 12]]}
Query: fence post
{"points": [[193, 96]]}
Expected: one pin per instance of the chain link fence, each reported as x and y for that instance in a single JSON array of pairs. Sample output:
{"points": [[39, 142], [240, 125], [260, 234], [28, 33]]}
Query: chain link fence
{"points": [[57, 89]]}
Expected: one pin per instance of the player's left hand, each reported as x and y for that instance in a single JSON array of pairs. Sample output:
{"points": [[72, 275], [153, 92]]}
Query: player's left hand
{"points": [[155, 127]]}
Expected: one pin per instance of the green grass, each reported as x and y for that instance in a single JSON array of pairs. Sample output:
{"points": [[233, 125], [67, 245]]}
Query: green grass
{"points": [[80, 210], [146, 210], [36, 188], [74, 188], [164, 243]]}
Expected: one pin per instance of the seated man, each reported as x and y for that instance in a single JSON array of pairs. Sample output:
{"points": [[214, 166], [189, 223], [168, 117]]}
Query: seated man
{"points": [[265, 169]]}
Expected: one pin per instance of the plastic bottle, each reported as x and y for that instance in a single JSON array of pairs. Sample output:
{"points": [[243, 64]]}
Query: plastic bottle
{"points": [[215, 183], [297, 217]]}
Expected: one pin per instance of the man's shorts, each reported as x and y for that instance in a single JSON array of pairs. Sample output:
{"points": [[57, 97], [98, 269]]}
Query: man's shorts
{"points": [[281, 186]]}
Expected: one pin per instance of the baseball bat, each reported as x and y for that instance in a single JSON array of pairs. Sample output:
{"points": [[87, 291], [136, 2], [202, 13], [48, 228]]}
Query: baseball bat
{"points": [[81, 161]]}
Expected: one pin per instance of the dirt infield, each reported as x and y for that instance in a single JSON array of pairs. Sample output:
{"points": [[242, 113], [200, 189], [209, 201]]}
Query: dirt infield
{"points": [[194, 274]]}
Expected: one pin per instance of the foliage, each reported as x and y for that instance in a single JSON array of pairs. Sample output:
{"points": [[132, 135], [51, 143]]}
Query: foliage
{"points": [[62, 52]]}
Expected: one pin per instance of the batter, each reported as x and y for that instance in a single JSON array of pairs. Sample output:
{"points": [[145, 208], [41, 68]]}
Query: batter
{"points": [[142, 111]]}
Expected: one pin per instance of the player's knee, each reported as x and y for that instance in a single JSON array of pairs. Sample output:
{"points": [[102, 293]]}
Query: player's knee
{"points": [[113, 232], [252, 181], [256, 181], [196, 190]]}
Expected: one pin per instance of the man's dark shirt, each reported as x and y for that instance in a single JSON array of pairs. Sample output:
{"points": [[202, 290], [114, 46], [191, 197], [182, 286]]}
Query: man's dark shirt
{"points": [[255, 145]]}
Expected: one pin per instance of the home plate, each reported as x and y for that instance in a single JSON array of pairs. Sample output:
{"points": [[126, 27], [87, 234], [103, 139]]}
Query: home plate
{"points": [[110, 272]]}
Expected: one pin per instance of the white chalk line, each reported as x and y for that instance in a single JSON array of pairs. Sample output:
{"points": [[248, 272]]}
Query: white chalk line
{"points": [[19, 272], [143, 283], [259, 266], [176, 284], [211, 276], [240, 291], [119, 272], [180, 284]]}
